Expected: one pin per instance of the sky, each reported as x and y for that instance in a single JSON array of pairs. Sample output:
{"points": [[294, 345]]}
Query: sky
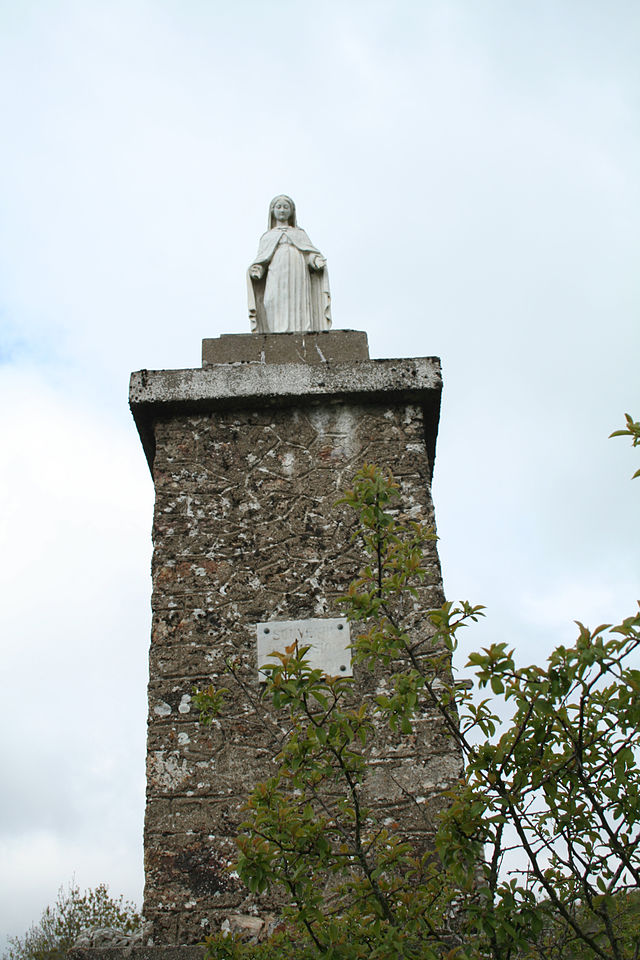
{"points": [[470, 171]]}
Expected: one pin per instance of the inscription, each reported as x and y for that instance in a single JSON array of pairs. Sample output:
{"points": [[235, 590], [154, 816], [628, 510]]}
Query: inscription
{"points": [[329, 643]]}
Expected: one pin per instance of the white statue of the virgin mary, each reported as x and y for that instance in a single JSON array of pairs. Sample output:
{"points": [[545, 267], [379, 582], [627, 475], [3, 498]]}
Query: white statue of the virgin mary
{"points": [[288, 280]]}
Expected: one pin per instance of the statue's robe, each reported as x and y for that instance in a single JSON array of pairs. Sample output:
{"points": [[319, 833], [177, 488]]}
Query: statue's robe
{"points": [[290, 297]]}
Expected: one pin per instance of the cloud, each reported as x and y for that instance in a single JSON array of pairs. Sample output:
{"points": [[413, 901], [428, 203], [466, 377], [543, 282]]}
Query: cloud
{"points": [[75, 559]]}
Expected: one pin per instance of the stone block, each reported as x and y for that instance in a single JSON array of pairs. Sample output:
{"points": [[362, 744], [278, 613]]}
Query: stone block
{"points": [[330, 346], [157, 396]]}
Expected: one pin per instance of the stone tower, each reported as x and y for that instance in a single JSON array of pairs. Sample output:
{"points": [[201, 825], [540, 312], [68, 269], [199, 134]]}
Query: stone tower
{"points": [[249, 454]]}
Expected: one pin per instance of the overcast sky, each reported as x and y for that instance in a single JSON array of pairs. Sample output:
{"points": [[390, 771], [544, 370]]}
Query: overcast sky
{"points": [[469, 169]]}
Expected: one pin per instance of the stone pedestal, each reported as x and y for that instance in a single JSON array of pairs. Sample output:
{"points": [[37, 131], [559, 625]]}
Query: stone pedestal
{"points": [[335, 346], [249, 457]]}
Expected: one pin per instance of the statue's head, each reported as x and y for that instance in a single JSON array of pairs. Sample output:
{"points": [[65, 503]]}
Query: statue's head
{"points": [[282, 209]]}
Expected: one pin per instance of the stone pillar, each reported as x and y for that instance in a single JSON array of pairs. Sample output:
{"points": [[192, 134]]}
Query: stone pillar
{"points": [[249, 455]]}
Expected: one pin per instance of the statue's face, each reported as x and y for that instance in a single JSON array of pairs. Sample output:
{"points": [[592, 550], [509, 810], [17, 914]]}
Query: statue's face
{"points": [[282, 210]]}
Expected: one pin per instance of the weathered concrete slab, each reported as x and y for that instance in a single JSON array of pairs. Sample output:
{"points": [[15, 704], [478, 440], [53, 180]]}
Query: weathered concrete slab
{"points": [[330, 346], [156, 394], [231, 385]]}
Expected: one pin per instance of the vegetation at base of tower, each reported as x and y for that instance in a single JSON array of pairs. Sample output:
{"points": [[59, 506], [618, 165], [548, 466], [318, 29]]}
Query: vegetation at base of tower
{"points": [[537, 848], [72, 914]]}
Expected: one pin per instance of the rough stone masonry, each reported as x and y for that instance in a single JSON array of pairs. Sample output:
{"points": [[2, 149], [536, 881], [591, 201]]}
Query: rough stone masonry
{"points": [[249, 455]]}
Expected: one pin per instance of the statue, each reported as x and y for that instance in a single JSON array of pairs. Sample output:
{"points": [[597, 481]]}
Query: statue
{"points": [[288, 280]]}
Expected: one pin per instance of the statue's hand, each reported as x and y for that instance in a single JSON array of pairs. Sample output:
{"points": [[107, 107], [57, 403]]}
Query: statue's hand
{"points": [[318, 263], [256, 271]]}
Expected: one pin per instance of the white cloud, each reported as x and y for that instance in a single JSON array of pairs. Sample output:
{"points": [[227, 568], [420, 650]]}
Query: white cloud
{"points": [[74, 544]]}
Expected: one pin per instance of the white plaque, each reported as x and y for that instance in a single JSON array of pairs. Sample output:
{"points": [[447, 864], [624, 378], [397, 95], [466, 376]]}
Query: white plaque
{"points": [[329, 641]]}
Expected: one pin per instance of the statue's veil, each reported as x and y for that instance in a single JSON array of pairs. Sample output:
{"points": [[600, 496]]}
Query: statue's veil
{"points": [[282, 196]]}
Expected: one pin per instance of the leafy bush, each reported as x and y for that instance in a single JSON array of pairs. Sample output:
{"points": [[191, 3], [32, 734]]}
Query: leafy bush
{"points": [[537, 854], [72, 914]]}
